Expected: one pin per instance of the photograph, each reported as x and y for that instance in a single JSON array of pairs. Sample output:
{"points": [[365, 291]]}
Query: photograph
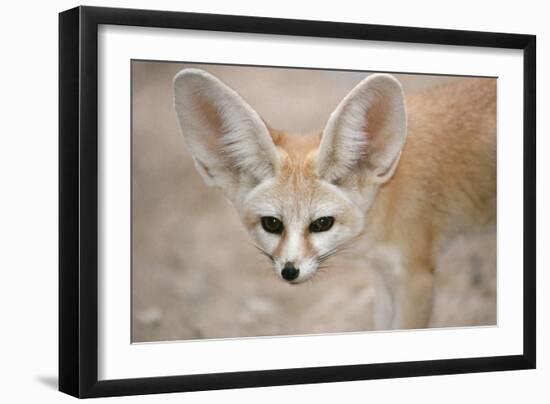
{"points": [[272, 201]]}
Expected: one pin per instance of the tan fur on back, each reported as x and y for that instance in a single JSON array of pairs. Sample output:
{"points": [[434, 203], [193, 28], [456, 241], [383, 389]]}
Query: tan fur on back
{"points": [[446, 179]]}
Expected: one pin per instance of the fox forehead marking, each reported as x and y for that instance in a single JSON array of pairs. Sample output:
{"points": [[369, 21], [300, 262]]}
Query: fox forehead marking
{"points": [[297, 146], [297, 176]]}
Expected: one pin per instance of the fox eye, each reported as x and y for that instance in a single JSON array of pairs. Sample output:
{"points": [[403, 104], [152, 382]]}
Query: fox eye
{"points": [[322, 224], [272, 225]]}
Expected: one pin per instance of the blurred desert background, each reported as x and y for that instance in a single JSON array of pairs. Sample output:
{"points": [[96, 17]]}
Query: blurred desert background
{"points": [[195, 272]]}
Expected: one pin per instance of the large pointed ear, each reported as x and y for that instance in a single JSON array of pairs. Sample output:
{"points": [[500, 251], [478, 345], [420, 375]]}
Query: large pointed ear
{"points": [[228, 140], [366, 131]]}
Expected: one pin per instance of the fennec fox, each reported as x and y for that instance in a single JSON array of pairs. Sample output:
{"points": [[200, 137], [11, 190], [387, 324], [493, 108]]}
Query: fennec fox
{"points": [[403, 187]]}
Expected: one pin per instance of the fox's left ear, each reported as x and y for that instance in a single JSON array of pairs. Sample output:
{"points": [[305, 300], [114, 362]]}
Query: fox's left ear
{"points": [[366, 131]]}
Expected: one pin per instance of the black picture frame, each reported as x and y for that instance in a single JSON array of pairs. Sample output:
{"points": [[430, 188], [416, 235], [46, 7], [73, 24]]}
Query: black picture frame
{"points": [[78, 201]]}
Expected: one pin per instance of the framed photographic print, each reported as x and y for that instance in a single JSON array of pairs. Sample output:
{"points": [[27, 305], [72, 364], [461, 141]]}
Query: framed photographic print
{"points": [[251, 201]]}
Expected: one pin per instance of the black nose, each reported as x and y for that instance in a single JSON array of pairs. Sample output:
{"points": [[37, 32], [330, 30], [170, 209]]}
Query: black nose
{"points": [[290, 272]]}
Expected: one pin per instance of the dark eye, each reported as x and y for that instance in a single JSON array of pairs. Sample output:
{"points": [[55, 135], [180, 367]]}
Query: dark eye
{"points": [[322, 224], [272, 225]]}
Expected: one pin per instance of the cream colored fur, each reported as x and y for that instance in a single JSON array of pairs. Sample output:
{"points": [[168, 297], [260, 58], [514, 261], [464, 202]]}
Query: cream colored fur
{"points": [[401, 185]]}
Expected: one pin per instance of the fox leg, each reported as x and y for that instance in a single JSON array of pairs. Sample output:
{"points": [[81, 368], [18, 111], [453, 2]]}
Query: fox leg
{"points": [[414, 298], [404, 297]]}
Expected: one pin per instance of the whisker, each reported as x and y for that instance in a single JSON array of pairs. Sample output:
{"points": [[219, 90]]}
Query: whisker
{"points": [[323, 257], [265, 253], [341, 250]]}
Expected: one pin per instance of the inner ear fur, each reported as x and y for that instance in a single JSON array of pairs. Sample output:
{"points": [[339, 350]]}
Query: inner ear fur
{"points": [[366, 131]]}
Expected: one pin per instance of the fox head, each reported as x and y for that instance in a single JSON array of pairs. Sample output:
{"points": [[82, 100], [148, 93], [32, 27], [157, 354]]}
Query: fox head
{"points": [[300, 197]]}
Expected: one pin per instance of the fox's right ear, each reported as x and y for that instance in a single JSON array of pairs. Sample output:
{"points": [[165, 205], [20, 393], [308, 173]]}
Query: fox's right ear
{"points": [[228, 140]]}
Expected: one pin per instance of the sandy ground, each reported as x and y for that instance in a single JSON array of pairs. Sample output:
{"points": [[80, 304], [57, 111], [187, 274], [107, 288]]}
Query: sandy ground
{"points": [[195, 273]]}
